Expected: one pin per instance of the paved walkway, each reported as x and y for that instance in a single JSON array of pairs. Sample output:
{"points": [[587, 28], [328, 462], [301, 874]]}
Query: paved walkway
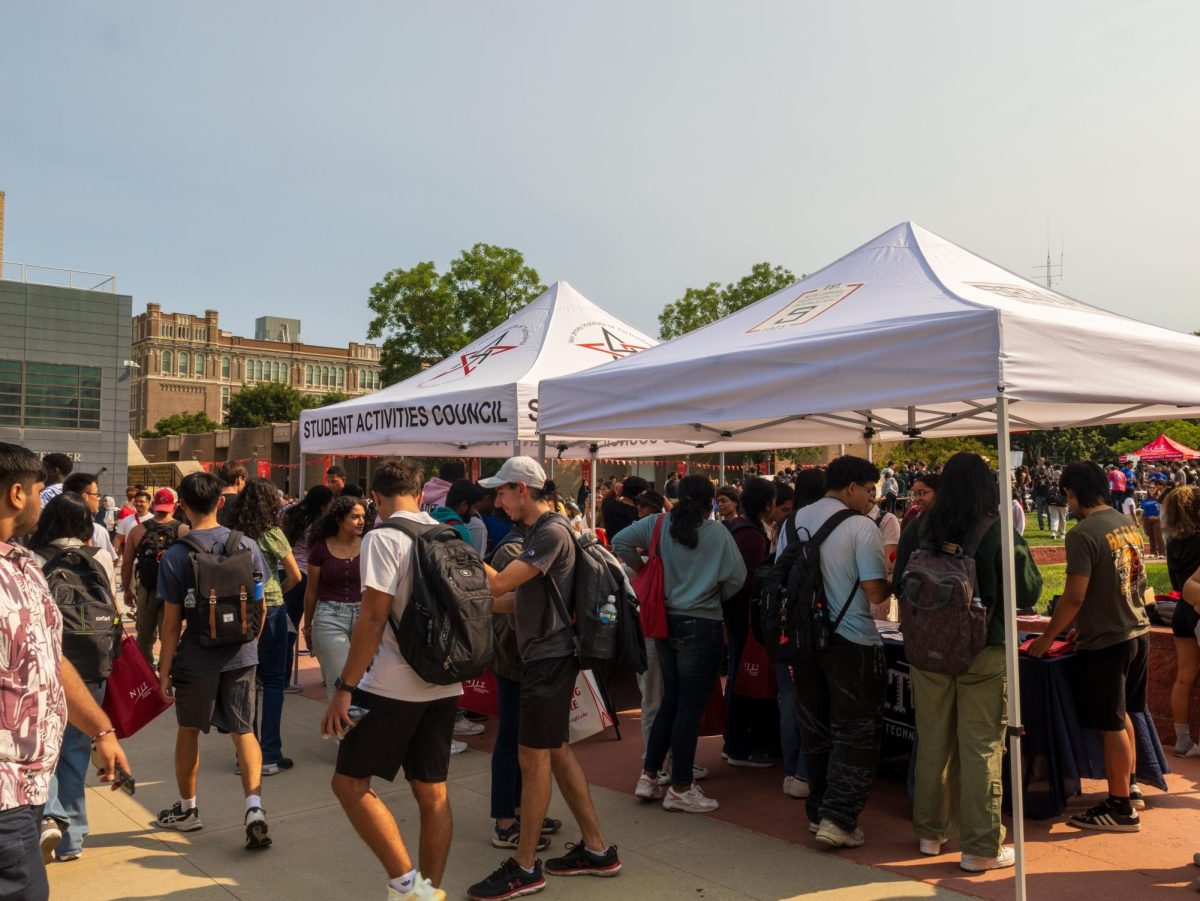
{"points": [[317, 856]]}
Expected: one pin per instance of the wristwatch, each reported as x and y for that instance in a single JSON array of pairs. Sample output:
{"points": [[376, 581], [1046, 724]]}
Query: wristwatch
{"points": [[342, 686]]}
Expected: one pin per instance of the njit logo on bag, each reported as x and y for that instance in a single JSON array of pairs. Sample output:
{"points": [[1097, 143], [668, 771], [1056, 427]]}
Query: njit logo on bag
{"points": [[141, 692]]}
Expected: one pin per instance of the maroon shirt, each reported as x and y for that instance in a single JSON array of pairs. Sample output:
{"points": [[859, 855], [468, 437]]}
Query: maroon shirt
{"points": [[340, 580]]}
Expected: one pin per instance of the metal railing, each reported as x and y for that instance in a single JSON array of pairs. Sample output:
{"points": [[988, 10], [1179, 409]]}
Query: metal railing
{"points": [[32, 273]]}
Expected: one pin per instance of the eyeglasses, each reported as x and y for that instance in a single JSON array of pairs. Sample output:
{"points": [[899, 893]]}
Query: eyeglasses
{"points": [[90, 493]]}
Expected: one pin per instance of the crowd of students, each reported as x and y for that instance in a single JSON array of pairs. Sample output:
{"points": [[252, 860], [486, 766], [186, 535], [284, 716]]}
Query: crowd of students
{"points": [[338, 565]]}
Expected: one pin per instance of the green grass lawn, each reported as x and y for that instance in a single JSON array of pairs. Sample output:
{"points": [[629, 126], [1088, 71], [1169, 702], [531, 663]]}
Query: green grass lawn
{"points": [[1054, 578], [1035, 537]]}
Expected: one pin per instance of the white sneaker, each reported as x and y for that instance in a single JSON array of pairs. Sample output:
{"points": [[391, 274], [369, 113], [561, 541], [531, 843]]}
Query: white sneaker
{"points": [[422, 890], [457, 747], [647, 789], [795, 787], [973, 863], [691, 801], [832, 835], [698, 773], [931, 847], [466, 727]]}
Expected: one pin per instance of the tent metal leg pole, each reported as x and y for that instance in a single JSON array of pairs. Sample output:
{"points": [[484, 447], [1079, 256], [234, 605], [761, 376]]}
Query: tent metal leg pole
{"points": [[722, 467], [542, 461], [300, 483], [517, 448], [594, 454], [687, 464], [1012, 663]]}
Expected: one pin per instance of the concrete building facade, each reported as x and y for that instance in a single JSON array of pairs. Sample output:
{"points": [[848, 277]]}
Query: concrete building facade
{"points": [[64, 378], [188, 364]]}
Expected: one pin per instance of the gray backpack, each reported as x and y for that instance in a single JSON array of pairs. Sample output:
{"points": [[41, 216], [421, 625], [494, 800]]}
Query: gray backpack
{"points": [[945, 623]]}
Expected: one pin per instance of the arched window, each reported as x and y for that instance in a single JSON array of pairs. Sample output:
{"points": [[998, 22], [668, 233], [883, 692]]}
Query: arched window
{"points": [[308, 375], [166, 361], [224, 367], [341, 376], [200, 365], [184, 360], [277, 371], [258, 370]]}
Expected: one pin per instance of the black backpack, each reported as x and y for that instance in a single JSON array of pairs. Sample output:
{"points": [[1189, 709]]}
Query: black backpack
{"points": [[91, 620], [445, 633], [158, 537], [598, 577], [793, 607], [221, 609]]}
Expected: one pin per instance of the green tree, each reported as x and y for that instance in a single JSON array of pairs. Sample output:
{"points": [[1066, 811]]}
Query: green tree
{"points": [[264, 404], [700, 306], [938, 450], [424, 315], [182, 424]]}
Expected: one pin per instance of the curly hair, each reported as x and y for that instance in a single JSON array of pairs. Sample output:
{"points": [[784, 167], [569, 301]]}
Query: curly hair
{"points": [[1181, 512], [329, 523], [258, 510]]}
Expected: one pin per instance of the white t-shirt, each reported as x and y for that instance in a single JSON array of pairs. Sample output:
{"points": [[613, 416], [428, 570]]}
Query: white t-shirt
{"points": [[101, 540], [1129, 508], [888, 524], [385, 564], [127, 525]]}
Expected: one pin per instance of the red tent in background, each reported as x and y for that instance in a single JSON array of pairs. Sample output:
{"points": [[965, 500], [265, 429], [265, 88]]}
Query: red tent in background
{"points": [[1164, 448]]}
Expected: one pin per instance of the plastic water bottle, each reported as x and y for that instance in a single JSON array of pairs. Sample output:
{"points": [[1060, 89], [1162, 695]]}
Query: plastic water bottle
{"points": [[190, 601], [258, 586], [608, 610]]}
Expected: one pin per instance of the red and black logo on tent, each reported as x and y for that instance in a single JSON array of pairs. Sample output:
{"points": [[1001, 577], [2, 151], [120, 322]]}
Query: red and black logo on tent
{"points": [[470, 360], [607, 338]]}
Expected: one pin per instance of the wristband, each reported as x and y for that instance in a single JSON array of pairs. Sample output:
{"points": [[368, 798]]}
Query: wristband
{"points": [[100, 735], [339, 685]]}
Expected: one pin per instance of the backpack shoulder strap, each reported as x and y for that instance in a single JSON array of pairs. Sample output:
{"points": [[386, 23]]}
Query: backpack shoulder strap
{"points": [[832, 523], [977, 534], [233, 542], [789, 526]]}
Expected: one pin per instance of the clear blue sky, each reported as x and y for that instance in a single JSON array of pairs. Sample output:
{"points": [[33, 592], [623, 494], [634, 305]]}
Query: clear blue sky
{"points": [[277, 158]]}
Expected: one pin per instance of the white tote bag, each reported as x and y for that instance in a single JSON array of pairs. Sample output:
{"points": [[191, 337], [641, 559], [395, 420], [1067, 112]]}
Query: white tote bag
{"points": [[588, 713]]}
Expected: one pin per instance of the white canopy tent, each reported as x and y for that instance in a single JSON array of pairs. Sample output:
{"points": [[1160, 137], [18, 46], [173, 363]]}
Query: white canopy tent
{"points": [[908, 335], [483, 400]]}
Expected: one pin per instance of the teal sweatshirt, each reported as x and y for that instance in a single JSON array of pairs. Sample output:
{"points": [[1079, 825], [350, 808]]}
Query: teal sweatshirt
{"points": [[696, 580]]}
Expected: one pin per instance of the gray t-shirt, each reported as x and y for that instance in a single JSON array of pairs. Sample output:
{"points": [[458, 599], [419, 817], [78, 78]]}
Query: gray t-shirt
{"points": [[542, 633], [853, 551], [174, 580]]}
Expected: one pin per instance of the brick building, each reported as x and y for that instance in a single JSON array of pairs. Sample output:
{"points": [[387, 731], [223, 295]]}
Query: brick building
{"points": [[188, 364]]}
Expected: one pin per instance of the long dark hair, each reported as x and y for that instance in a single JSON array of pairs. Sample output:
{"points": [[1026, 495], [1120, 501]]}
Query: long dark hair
{"points": [[696, 495], [757, 496], [966, 492], [327, 526], [66, 516], [810, 487], [299, 517], [258, 510]]}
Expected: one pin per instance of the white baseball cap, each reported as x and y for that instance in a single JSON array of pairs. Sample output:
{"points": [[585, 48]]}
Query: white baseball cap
{"points": [[517, 469]]}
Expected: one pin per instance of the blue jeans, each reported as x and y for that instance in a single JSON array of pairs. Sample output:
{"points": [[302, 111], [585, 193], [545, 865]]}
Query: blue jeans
{"points": [[332, 625], [506, 770], [789, 724], [66, 801], [1039, 503], [293, 602], [690, 660], [273, 674]]}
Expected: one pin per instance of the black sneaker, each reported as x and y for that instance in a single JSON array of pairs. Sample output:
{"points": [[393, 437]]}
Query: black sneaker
{"points": [[175, 818], [510, 881], [579, 861], [1107, 816], [1136, 798], [256, 829], [511, 838], [549, 825]]}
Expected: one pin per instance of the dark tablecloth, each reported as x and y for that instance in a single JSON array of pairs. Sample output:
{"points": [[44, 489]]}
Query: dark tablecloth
{"points": [[1056, 752]]}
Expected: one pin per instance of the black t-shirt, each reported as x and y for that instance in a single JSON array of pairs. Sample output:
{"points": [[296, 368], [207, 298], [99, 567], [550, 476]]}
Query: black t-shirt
{"points": [[229, 508], [542, 632], [617, 516], [1183, 559]]}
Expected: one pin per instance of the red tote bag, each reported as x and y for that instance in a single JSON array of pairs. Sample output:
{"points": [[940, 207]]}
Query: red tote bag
{"points": [[480, 695], [756, 672], [131, 697], [651, 589]]}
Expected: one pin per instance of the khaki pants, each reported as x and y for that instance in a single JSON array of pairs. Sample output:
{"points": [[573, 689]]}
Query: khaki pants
{"points": [[148, 620], [960, 751]]}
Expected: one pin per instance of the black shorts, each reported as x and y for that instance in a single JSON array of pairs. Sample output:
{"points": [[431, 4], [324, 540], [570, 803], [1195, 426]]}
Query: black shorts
{"points": [[225, 700], [412, 734], [22, 873], [1110, 683], [547, 689], [1183, 623]]}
